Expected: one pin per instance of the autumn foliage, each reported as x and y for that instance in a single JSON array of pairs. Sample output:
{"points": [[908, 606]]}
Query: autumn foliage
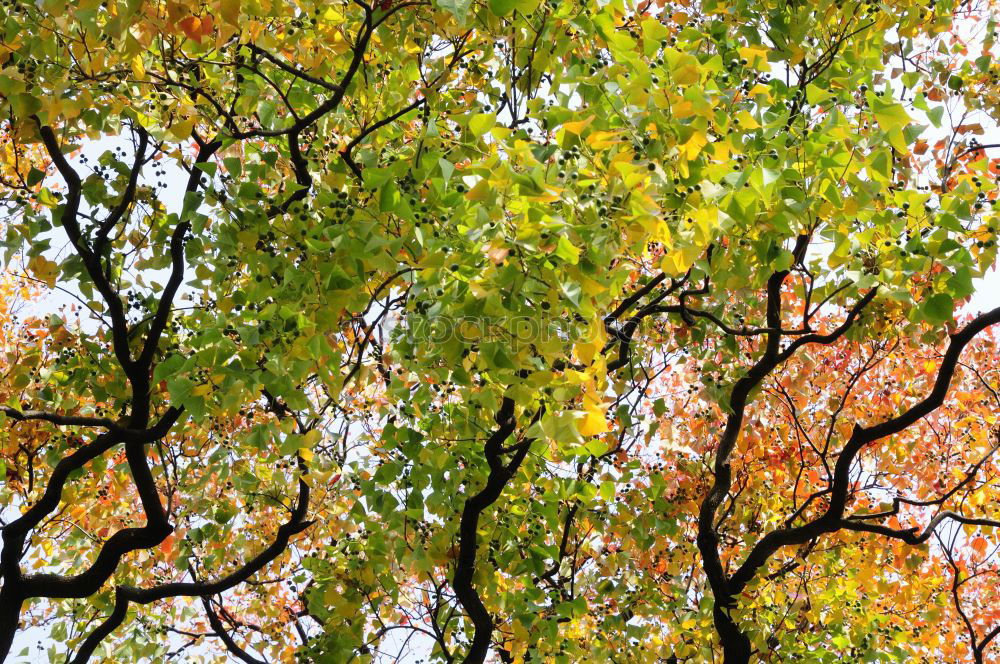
{"points": [[500, 330]]}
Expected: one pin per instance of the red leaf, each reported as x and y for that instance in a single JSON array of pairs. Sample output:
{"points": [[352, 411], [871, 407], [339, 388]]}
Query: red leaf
{"points": [[195, 28], [191, 26]]}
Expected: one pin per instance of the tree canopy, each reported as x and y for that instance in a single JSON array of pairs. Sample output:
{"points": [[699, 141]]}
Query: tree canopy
{"points": [[504, 330]]}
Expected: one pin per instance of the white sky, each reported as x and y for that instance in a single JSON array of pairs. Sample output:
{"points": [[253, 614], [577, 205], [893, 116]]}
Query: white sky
{"points": [[987, 295]]}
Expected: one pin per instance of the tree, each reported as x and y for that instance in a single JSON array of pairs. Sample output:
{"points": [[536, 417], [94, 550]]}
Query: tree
{"points": [[525, 330]]}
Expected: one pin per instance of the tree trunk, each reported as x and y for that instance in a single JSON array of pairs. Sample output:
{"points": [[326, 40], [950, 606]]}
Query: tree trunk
{"points": [[10, 615], [735, 644]]}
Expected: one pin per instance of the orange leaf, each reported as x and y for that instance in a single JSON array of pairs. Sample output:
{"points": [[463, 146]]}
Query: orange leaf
{"points": [[207, 25], [969, 128], [191, 26], [195, 28], [498, 254]]}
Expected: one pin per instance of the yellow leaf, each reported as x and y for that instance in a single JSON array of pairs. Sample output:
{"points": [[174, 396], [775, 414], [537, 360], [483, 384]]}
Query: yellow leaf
{"points": [[44, 270], [706, 221], [230, 11], [481, 123], [679, 260], [592, 424], [182, 130], [520, 633], [138, 68], [593, 421], [798, 54], [480, 192], [687, 72], [746, 120], [586, 350], [578, 126], [898, 141], [602, 139], [591, 287], [754, 54], [693, 147]]}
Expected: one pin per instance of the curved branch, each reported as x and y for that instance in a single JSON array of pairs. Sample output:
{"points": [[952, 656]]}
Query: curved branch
{"points": [[910, 535], [833, 519], [227, 638], [128, 197], [62, 420], [499, 475], [124, 595], [294, 71], [15, 587], [166, 300], [345, 154], [92, 262]]}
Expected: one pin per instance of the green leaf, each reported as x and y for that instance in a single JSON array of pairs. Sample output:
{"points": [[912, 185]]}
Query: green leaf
{"points": [[208, 167], [388, 197], [881, 165], [960, 283], [481, 123], [566, 251], [267, 112], [502, 7], [939, 308], [25, 105], [458, 8], [447, 168], [35, 176], [167, 368], [783, 261], [234, 166], [816, 95], [935, 115], [889, 115], [47, 198]]}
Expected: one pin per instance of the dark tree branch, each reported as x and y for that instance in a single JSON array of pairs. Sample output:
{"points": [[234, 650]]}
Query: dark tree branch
{"points": [[127, 594], [16, 587], [913, 536], [92, 262], [345, 154], [499, 475], [62, 420], [227, 638], [128, 197], [166, 300], [294, 71], [833, 519]]}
